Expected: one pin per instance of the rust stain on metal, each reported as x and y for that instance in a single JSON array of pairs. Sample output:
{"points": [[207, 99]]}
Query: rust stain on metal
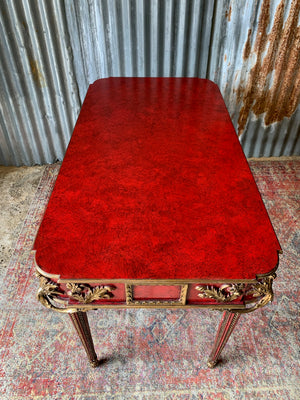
{"points": [[36, 73], [228, 14], [273, 87], [247, 48]]}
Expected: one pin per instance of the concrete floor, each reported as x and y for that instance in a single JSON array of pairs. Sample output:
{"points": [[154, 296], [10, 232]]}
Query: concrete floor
{"points": [[17, 189]]}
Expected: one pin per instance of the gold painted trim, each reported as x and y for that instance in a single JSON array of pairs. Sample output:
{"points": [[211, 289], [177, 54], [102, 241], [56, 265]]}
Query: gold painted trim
{"points": [[222, 307], [261, 276], [155, 281], [41, 272], [183, 293]]}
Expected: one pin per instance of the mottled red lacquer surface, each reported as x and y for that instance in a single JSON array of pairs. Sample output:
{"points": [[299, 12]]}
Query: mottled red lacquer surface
{"points": [[154, 185]]}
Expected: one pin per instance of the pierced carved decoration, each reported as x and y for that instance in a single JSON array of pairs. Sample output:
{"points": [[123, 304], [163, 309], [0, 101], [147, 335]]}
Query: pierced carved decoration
{"points": [[71, 297], [254, 295], [51, 293], [84, 294], [47, 292], [224, 293], [262, 291]]}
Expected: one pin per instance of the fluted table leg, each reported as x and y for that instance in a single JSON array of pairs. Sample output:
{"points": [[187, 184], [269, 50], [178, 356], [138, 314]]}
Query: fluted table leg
{"points": [[81, 324], [226, 327]]}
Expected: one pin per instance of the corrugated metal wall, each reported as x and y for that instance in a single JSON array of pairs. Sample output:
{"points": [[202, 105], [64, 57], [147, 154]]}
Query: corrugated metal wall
{"points": [[51, 50]]}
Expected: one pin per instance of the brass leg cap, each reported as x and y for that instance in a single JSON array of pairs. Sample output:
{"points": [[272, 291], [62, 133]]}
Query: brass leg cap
{"points": [[212, 363], [95, 363]]}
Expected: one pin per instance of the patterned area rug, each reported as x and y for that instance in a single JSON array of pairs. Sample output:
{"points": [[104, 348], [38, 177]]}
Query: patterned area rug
{"points": [[155, 354]]}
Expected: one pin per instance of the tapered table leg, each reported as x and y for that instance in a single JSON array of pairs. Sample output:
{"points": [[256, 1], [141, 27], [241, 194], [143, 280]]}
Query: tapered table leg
{"points": [[226, 327], [81, 324]]}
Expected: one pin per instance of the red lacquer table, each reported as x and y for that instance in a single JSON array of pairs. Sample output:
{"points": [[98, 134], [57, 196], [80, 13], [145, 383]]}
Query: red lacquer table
{"points": [[155, 206]]}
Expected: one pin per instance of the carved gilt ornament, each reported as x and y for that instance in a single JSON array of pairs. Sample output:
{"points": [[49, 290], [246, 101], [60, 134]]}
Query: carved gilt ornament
{"points": [[50, 292], [255, 295]]}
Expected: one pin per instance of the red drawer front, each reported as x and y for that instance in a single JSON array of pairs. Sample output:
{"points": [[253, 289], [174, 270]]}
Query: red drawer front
{"points": [[156, 292]]}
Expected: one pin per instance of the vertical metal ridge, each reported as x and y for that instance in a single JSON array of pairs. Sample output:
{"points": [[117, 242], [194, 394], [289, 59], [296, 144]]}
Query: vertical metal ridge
{"points": [[18, 91], [167, 22], [37, 84]]}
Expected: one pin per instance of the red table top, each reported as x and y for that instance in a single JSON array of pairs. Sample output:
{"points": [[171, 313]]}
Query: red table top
{"points": [[155, 185]]}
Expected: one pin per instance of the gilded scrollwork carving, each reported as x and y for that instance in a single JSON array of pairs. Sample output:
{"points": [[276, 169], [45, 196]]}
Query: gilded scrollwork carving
{"points": [[84, 294], [53, 296], [263, 291], [49, 292], [254, 295], [224, 293], [242, 297]]}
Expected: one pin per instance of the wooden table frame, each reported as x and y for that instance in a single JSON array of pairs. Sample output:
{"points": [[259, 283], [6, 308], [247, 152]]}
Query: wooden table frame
{"points": [[155, 206], [77, 297]]}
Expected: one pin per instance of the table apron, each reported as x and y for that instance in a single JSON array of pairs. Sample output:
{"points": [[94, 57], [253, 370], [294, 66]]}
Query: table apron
{"points": [[236, 296]]}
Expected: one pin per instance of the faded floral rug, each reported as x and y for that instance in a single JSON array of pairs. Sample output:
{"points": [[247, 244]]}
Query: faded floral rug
{"points": [[155, 354]]}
